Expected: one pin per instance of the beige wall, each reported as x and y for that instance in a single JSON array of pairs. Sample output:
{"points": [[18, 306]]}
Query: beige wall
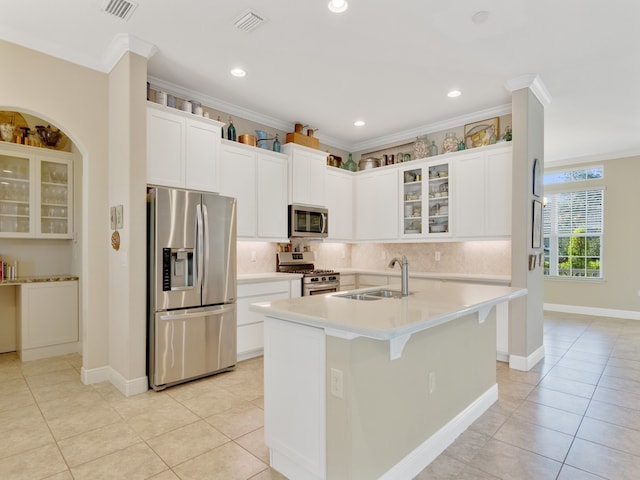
{"points": [[74, 98], [387, 410], [127, 187], [621, 260]]}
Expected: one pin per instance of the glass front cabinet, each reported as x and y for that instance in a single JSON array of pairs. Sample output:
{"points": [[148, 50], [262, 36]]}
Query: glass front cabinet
{"points": [[36, 194], [425, 201]]}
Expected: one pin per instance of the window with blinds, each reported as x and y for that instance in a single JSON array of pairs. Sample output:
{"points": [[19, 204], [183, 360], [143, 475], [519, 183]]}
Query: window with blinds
{"points": [[573, 228]]}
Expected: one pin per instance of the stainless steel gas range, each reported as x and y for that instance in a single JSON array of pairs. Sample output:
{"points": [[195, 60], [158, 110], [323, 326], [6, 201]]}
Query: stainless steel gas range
{"points": [[314, 281]]}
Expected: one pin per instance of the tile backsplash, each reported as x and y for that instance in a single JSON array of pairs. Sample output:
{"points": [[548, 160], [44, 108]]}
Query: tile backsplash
{"points": [[479, 257]]}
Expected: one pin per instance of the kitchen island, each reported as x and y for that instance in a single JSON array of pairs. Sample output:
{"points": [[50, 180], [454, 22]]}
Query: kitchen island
{"points": [[376, 388]]}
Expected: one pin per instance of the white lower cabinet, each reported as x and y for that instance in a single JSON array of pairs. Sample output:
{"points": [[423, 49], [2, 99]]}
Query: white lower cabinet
{"points": [[367, 280], [258, 180], [48, 319], [347, 281], [250, 324]]}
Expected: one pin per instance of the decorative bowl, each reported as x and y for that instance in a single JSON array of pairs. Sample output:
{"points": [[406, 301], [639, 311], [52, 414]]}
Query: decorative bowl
{"points": [[48, 135], [6, 131], [248, 139]]}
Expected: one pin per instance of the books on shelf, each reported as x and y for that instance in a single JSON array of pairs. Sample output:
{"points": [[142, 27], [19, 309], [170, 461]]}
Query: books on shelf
{"points": [[8, 271]]}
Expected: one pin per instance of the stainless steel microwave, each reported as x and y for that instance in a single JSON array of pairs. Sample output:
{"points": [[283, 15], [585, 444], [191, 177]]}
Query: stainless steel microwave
{"points": [[310, 222]]}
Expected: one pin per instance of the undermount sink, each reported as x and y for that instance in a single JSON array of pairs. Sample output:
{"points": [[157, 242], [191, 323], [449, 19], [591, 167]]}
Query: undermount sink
{"points": [[385, 293], [373, 295], [358, 296]]}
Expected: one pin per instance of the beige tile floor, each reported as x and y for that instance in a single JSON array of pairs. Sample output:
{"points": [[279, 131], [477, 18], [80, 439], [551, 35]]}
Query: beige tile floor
{"points": [[575, 416]]}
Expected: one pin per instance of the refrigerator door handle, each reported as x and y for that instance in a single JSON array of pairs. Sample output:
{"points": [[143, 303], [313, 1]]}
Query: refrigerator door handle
{"points": [[199, 246], [205, 248], [183, 316]]}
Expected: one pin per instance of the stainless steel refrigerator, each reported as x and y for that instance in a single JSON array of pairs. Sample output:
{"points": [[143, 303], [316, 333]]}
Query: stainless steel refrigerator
{"points": [[191, 285]]}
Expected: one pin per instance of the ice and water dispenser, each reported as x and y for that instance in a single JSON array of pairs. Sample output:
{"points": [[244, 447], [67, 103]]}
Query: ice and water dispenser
{"points": [[177, 269]]}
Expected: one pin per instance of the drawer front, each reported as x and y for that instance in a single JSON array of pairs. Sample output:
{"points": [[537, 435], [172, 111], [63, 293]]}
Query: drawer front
{"points": [[250, 338], [247, 317], [262, 288]]}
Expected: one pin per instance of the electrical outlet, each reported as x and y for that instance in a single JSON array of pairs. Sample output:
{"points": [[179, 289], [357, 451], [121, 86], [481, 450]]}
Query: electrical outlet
{"points": [[383, 255], [253, 256], [437, 256], [432, 382], [336, 383]]}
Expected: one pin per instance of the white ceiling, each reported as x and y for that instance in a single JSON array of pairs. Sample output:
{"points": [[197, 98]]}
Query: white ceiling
{"points": [[389, 63]]}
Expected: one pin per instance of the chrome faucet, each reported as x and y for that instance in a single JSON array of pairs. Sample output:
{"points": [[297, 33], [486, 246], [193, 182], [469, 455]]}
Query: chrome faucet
{"points": [[404, 264]]}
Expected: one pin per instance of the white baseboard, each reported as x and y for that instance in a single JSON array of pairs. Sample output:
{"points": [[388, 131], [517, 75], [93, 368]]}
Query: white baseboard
{"points": [[502, 356], [598, 312], [108, 374], [258, 352], [89, 376], [526, 363], [128, 387], [424, 454], [29, 354]]}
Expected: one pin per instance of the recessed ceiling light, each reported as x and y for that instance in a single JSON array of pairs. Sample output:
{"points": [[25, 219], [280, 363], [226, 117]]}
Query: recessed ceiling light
{"points": [[454, 93], [238, 72], [480, 17], [359, 123], [338, 6]]}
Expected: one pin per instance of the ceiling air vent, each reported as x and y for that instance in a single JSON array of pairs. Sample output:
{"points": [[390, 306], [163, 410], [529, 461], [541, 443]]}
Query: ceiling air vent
{"points": [[248, 21], [119, 8]]}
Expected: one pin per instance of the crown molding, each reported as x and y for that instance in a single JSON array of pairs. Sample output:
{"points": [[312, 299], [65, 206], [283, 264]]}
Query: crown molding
{"points": [[236, 110], [533, 82], [401, 136], [123, 43], [410, 135], [603, 157]]}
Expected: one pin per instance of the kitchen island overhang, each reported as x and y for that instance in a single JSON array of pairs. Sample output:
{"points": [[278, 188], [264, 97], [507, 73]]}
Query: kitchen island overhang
{"points": [[377, 389]]}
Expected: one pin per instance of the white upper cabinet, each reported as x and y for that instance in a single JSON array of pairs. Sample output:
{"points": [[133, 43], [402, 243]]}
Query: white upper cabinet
{"points": [[377, 205], [238, 175], [258, 179], [483, 193], [36, 192], [272, 195], [339, 190], [182, 150], [306, 175]]}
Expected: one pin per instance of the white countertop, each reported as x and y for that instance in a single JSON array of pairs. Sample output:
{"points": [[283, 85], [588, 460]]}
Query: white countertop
{"points": [[266, 277], [457, 277], [390, 318]]}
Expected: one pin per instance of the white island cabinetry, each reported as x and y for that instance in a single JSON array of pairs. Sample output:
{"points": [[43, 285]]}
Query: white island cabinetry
{"points": [[376, 389], [183, 150]]}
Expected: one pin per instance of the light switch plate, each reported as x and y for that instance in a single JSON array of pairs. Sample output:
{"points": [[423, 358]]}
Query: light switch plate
{"points": [[113, 218], [119, 219]]}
